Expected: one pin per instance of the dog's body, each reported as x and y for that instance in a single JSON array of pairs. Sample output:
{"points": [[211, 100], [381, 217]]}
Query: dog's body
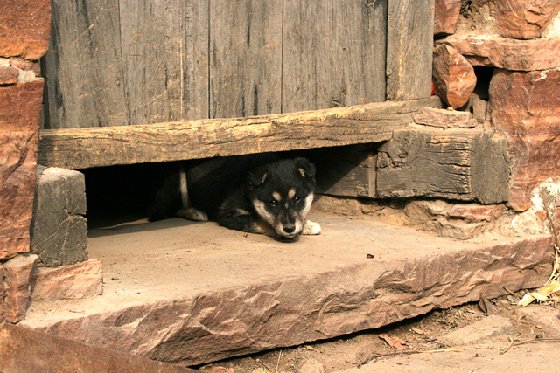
{"points": [[254, 194]]}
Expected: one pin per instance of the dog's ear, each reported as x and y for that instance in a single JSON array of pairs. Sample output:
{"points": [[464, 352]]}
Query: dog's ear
{"points": [[257, 177], [305, 169]]}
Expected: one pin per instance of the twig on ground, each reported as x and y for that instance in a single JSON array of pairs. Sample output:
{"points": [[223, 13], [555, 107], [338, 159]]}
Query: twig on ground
{"points": [[513, 343], [278, 361], [409, 352]]}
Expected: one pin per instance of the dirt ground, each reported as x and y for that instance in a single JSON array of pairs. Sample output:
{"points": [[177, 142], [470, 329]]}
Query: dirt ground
{"points": [[488, 336]]}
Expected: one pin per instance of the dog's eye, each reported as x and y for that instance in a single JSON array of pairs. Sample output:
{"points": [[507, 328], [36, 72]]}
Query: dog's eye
{"points": [[273, 203], [297, 200]]}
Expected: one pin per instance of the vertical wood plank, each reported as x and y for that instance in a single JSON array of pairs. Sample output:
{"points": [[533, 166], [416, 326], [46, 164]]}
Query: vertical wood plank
{"points": [[164, 49], [83, 66], [409, 53], [246, 57], [334, 53]]}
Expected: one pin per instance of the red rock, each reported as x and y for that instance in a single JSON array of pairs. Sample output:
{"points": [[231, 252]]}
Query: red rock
{"points": [[524, 19], [459, 221], [20, 107], [509, 54], [25, 350], [24, 28], [26, 65], [526, 107], [2, 292], [17, 286], [454, 76], [444, 118], [81, 280], [446, 16], [8, 75]]}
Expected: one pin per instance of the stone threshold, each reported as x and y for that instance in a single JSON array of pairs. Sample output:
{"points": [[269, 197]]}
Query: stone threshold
{"points": [[189, 293]]}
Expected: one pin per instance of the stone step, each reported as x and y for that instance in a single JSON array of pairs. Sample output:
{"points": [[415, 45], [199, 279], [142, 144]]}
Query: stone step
{"points": [[177, 291]]}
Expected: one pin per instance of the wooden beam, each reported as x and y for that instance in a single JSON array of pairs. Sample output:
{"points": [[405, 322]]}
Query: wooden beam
{"points": [[462, 164], [347, 171], [80, 148]]}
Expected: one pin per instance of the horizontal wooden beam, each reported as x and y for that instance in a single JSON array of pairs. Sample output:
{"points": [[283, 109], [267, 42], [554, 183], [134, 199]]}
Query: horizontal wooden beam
{"points": [[81, 148], [468, 164]]}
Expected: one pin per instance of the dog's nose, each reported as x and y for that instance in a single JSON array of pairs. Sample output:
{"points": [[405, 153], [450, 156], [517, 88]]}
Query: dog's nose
{"points": [[289, 228]]}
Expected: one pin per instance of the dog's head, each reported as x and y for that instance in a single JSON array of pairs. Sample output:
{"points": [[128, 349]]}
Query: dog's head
{"points": [[282, 193]]}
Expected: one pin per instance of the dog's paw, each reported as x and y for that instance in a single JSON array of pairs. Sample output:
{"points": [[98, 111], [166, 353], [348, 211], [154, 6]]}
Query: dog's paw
{"points": [[192, 214], [311, 228]]}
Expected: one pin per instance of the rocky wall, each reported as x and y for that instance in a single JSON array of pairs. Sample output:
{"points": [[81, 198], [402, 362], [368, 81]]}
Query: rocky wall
{"points": [[519, 41], [24, 34]]}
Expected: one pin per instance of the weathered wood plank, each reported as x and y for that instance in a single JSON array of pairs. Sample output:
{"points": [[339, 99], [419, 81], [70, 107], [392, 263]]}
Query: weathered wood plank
{"points": [[409, 53], [334, 53], [83, 65], [164, 142], [462, 164], [348, 171], [164, 59], [246, 58]]}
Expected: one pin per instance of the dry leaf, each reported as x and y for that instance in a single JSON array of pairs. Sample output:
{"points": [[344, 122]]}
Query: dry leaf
{"points": [[526, 300], [551, 288], [395, 342]]}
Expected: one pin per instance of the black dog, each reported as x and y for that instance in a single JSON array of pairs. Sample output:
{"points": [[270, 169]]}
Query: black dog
{"points": [[251, 194]]}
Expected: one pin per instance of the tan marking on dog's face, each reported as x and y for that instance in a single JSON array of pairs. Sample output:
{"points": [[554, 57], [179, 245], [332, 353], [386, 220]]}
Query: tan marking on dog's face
{"points": [[277, 196], [307, 205], [291, 193], [260, 208]]}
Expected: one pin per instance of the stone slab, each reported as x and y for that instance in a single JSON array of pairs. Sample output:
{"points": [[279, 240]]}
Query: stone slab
{"points": [[460, 221], [178, 291], [506, 53], [24, 28], [24, 350], [81, 280], [59, 228]]}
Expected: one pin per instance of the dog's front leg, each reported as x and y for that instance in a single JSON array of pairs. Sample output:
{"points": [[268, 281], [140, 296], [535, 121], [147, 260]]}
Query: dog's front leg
{"points": [[311, 228]]}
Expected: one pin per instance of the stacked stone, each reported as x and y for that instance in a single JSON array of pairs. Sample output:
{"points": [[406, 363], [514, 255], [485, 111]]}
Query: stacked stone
{"points": [[57, 235], [25, 26], [520, 40]]}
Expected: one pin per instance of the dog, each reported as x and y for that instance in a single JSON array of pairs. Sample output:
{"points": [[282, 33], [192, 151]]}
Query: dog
{"points": [[260, 194]]}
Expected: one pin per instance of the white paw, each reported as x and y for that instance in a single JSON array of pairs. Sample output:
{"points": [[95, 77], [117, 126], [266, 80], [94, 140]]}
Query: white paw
{"points": [[192, 214], [311, 228]]}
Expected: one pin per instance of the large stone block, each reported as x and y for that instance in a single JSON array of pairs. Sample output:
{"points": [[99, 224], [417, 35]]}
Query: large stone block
{"points": [[59, 230], [20, 107], [525, 106], [446, 16], [213, 298], [506, 53], [17, 286], [78, 281], [24, 28], [524, 19]]}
